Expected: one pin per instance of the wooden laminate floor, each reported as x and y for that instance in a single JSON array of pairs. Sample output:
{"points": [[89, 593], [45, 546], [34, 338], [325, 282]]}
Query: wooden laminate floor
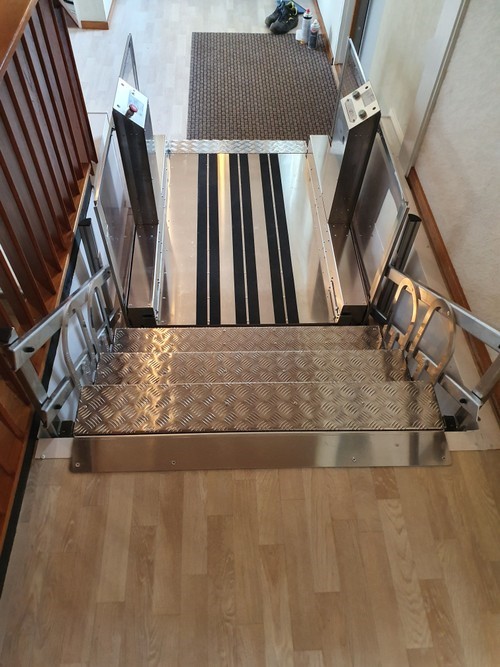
{"points": [[317, 568], [298, 567]]}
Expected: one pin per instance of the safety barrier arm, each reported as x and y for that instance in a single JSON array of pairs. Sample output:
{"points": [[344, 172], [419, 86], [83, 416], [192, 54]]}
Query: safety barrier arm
{"points": [[17, 351], [410, 339]]}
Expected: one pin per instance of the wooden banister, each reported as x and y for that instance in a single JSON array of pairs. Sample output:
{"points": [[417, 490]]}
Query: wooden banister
{"points": [[14, 16], [45, 160]]}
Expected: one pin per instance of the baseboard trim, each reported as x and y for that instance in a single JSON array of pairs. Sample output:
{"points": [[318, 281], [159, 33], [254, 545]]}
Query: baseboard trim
{"points": [[478, 349], [95, 25]]}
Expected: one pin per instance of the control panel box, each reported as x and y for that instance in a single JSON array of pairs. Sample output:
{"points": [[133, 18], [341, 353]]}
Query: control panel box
{"points": [[353, 138]]}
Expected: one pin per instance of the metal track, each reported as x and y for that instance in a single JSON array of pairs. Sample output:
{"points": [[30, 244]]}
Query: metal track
{"points": [[229, 367], [182, 408], [247, 339]]}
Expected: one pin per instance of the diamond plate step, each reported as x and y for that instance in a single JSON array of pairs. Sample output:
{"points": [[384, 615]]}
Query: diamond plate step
{"points": [[247, 339], [247, 146], [269, 366], [205, 408]]}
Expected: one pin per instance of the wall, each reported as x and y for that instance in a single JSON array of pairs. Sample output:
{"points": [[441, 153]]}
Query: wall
{"points": [[92, 10], [393, 52], [370, 33], [459, 161], [331, 11]]}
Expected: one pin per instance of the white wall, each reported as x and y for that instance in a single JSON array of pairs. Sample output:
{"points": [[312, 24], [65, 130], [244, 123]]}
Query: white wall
{"points": [[92, 10], [370, 33], [331, 12], [459, 161], [393, 52]]}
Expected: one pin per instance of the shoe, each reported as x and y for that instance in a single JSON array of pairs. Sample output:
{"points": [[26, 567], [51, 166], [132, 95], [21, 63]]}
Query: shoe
{"points": [[287, 20], [275, 15]]}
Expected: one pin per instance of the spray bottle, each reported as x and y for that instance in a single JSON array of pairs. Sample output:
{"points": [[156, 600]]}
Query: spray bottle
{"points": [[306, 26]]}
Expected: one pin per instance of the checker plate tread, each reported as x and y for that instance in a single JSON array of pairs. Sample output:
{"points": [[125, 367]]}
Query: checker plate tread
{"points": [[228, 367], [247, 339], [204, 408]]}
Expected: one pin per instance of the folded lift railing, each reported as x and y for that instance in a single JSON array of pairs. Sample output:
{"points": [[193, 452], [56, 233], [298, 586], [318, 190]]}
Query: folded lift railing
{"points": [[85, 316], [423, 324]]}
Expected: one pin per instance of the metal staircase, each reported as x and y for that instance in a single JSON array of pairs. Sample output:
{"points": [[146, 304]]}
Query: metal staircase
{"points": [[261, 263], [230, 397]]}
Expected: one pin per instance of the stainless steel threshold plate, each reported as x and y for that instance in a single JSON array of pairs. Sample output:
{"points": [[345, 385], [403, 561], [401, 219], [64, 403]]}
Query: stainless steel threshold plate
{"points": [[235, 146], [224, 451]]}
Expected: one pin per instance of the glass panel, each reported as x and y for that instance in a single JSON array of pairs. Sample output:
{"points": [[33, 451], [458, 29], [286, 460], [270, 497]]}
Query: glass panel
{"points": [[115, 217], [379, 213], [128, 70]]}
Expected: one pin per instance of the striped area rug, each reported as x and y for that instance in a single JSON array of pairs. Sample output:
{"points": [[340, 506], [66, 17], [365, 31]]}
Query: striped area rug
{"points": [[258, 86]]}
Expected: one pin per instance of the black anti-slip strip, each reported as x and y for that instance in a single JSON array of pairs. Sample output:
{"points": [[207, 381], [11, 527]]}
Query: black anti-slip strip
{"points": [[286, 257], [201, 250], [250, 261], [213, 240], [272, 241], [238, 261]]}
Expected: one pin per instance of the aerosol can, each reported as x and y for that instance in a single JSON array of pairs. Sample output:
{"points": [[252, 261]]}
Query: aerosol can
{"points": [[313, 35]]}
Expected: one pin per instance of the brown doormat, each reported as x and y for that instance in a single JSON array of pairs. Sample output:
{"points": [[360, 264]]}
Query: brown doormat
{"points": [[258, 86]]}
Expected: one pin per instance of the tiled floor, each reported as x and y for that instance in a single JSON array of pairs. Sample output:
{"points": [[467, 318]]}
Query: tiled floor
{"points": [[162, 40]]}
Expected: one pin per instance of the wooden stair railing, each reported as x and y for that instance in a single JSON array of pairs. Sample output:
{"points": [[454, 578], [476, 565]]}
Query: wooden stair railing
{"points": [[46, 151]]}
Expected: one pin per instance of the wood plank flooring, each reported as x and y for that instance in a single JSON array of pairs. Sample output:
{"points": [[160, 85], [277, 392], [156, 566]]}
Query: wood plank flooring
{"points": [[299, 568]]}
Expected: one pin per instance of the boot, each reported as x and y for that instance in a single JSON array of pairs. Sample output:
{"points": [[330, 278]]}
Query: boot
{"points": [[275, 15], [287, 20]]}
